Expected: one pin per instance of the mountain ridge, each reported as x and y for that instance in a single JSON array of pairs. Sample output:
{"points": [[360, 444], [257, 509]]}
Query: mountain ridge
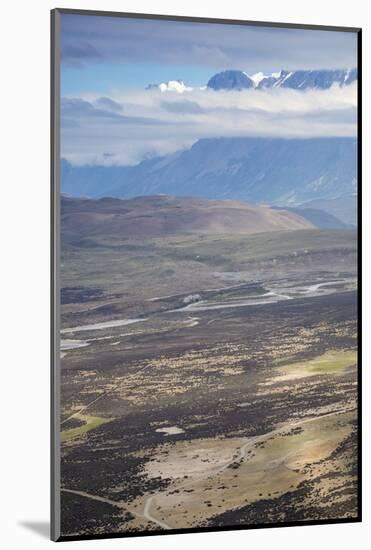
{"points": [[236, 79], [276, 171]]}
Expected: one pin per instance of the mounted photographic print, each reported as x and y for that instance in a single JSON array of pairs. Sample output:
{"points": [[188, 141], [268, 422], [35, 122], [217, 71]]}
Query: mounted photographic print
{"points": [[204, 281]]}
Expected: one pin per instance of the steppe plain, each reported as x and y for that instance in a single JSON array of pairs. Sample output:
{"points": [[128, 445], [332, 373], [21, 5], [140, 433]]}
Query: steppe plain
{"points": [[208, 377]]}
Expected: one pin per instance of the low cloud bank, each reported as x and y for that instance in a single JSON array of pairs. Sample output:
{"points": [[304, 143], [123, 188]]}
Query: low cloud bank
{"points": [[126, 127]]}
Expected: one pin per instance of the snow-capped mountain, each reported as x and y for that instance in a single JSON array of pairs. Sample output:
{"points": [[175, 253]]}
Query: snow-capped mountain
{"points": [[231, 80], [301, 80], [241, 80], [297, 80]]}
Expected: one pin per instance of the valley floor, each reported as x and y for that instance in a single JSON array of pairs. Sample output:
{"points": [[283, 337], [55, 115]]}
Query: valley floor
{"points": [[226, 404]]}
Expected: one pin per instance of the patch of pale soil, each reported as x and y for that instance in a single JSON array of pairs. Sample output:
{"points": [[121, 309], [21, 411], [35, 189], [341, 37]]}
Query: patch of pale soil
{"points": [[170, 430], [214, 475], [330, 363], [192, 458]]}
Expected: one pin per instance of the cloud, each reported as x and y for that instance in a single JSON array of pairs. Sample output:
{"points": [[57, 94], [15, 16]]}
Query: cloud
{"points": [[185, 107], [77, 50], [132, 125], [87, 39], [75, 108], [108, 104], [78, 109]]}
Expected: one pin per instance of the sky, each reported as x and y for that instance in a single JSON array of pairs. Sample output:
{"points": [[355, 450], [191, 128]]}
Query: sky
{"points": [[108, 117]]}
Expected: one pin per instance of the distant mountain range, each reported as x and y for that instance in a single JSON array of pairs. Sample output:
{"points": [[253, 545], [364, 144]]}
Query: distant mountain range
{"points": [[296, 80], [240, 80], [280, 172]]}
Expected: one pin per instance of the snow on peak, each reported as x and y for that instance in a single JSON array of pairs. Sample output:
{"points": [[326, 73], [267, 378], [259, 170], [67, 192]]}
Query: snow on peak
{"points": [[347, 75], [170, 86], [278, 77], [257, 78], [240, 80]]}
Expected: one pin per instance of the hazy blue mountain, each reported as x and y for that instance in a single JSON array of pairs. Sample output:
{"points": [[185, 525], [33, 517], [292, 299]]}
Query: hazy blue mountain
{"points": [[297, 80], [285, 172], [90, 181], [344, 208]]}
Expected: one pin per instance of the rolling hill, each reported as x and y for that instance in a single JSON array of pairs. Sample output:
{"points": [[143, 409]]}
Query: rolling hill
{"points": [[157, 216], [319, 218]]}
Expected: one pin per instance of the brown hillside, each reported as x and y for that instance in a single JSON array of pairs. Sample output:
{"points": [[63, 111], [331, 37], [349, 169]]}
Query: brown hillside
{"points": [[164, 215]]}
